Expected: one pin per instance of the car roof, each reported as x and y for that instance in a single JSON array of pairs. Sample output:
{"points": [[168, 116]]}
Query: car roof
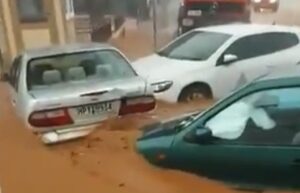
{"points": [[63, 49], [243, 29]]}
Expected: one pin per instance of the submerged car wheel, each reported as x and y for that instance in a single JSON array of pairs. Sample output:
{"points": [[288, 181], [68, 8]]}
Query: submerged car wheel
{"points": [[195, 92]]}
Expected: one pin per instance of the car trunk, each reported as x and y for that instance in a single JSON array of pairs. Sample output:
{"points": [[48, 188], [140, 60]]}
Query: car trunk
{"points": [[84, 103]]}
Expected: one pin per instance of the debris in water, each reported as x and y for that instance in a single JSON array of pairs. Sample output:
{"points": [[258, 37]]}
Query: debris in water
{"points": [[121, 185]]}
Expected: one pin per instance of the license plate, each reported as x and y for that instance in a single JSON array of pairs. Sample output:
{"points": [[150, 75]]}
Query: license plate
{"points": [[194, 13], [94, 109]]}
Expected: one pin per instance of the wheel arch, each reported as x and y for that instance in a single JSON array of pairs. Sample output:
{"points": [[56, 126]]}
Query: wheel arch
{"points": [[196, 84]]}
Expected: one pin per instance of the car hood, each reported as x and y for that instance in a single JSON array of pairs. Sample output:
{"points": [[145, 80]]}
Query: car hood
{"points": [[158, 68], [168, 127], [159, 137]]}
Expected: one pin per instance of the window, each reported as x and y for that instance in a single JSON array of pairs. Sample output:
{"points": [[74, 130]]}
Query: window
{"points": [[69, 9], [15, 73], [195, 45], [80, 6], [247, 47], [84, 68], [270, 117], [31, 10], [258, 45], [280, 41]]}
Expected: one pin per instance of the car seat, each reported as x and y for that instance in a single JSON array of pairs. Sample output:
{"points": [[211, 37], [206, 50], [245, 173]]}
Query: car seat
{"points": [[75, 74], [37, 73], [104, 71], [52, 77]]}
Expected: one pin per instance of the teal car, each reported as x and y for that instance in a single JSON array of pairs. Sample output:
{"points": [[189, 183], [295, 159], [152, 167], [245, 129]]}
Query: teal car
{"points": [[250, 137]]}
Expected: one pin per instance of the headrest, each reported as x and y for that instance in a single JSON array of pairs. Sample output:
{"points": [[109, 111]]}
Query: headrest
{"points": [[51, 77], [104, 70], [76, 73]]}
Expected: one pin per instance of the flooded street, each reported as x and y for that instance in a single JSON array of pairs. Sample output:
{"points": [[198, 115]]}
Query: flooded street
{"points": [[106, 161]]}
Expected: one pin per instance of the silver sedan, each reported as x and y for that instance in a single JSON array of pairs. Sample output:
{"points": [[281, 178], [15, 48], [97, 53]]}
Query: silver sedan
{"points": [[63, 92]]}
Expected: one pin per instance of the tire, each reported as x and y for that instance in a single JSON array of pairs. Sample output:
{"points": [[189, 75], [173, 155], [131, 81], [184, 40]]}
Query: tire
{"points": [[195, 92]]}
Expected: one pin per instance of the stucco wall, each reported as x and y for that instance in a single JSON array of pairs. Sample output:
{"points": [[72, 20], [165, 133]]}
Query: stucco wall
{"points": [[34, 38]]}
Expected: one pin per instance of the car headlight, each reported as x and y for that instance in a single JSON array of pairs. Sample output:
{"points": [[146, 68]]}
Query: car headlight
{"points": [[187, 22], [161, 86], [273, 1], [256, 1]]}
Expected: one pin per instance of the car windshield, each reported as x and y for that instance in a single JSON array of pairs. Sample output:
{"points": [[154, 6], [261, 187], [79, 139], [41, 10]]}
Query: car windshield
{"points": [[196, 45], [104, 65]]}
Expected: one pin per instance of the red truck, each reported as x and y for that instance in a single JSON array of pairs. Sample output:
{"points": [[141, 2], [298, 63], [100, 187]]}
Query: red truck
{"points": [[199, 13]]}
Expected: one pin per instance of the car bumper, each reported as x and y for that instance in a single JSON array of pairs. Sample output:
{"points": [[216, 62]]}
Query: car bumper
{"points": [[62, 135]]}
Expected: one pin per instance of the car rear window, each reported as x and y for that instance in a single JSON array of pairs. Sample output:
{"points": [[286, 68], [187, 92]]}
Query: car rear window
{"points": [[104, 65]]}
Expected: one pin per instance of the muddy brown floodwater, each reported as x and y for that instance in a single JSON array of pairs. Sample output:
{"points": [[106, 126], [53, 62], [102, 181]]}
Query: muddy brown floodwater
{"points": [[104, 162]]}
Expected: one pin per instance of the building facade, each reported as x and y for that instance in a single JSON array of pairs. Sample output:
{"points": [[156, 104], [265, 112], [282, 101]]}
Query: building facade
{"points": [[30, 24]]}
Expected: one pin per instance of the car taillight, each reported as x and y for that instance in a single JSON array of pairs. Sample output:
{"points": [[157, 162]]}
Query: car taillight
{"points": [[137, 105], [50, 118]]}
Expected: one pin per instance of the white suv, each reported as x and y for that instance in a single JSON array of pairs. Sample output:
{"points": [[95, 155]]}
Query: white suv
{"points": [[211, 62]]}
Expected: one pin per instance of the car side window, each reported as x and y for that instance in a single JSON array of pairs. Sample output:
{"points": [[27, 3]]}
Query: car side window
{"points": [[269, 117], [262, 44], [15, 73], [278, 41], [246, 47]]}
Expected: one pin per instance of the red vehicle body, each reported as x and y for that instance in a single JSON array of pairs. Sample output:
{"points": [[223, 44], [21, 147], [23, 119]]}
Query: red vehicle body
{"points": [[198, 13]]}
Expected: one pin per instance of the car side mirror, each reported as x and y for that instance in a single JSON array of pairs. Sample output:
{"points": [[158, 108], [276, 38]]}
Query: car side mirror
{"points": [[229, 58], [201, 136], [5, 77]]}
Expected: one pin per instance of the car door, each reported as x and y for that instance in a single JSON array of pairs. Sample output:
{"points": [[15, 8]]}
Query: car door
{"points": [[282, 47], [262, 53], [14, 76], [250, 63], [252, 56], [264, 152]]}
